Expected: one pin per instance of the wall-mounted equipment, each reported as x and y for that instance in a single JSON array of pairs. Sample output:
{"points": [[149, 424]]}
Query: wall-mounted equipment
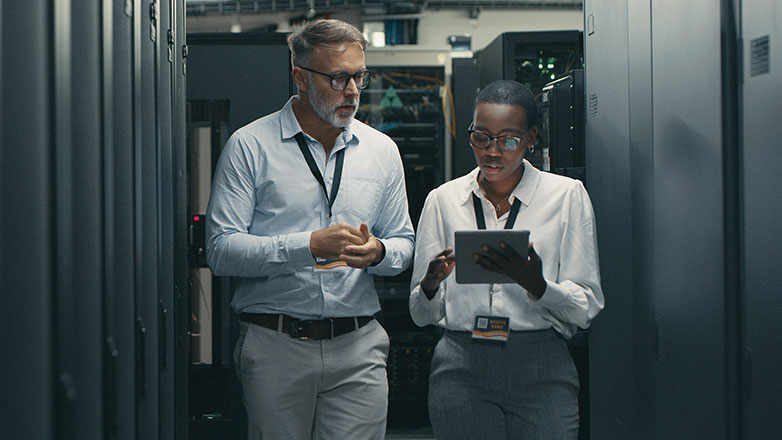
{"points": [[531, 58], [197, 240], [561, 114]]}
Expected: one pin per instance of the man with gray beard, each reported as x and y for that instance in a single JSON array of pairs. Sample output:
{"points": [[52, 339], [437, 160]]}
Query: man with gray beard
{"points": [[307, 204]]}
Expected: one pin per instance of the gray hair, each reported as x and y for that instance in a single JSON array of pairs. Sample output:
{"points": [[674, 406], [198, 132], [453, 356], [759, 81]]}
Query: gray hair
{"points": [[321, 33], [513, 93]]}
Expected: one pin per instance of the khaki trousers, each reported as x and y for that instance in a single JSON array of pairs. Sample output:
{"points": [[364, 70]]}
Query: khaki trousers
{"points": [[305, 389]]}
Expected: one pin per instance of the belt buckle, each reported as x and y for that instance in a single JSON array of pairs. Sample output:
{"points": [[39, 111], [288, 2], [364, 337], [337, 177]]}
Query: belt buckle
{"points": [[297, 329], [298, 326]]}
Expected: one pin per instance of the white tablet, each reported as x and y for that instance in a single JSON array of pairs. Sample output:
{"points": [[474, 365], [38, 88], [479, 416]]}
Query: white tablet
{"points": [[468, 242]]}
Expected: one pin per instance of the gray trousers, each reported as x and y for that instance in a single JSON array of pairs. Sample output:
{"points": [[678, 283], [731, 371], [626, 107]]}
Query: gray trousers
{"points": [[330, 389], [526, 388]]}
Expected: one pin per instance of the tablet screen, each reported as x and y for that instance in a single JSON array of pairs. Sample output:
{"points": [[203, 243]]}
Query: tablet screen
{"points": [[468, 242]]}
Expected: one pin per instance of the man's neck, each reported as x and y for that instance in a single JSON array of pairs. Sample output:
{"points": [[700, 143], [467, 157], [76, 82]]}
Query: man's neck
{"points": [[314, 126]]}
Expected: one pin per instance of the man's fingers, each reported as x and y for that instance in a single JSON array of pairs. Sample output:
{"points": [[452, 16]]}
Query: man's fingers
{"points": [[364, 229], [356, 261], [351, 233], [358, 248]]}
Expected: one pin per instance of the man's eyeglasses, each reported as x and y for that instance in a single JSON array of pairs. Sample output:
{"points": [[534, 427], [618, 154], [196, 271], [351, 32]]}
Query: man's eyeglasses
{"points": [[507, 144], [340, 80]]}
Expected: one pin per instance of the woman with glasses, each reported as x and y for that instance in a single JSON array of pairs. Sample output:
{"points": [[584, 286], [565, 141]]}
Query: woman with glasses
{"points": [[520, 383]]}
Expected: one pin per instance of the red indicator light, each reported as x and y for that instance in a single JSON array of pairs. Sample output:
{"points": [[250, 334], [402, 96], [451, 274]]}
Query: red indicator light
{"points": [[196, 218]]}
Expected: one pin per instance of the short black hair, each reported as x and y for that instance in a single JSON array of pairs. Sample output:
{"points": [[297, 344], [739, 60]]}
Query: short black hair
{"points": [[510, 92]]}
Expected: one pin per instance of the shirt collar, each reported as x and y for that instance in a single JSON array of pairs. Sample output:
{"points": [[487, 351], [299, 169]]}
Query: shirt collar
{"points": [[524, 191], [289, 125]]}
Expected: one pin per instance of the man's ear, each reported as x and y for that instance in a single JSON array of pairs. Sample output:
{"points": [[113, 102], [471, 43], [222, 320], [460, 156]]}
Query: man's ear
{"points": [[299, 78]]}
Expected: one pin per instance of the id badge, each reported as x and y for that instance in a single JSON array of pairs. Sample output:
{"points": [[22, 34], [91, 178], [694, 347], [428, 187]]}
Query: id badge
{"points": [[491, 328], [322, 265]]}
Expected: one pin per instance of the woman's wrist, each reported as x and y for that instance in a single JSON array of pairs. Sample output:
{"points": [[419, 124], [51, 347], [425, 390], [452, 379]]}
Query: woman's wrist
{"points": [[429, 288]]}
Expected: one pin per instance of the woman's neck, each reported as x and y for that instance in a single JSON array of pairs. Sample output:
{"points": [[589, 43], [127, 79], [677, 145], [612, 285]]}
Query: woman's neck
{"points": [[500, 189], [498, 192]]}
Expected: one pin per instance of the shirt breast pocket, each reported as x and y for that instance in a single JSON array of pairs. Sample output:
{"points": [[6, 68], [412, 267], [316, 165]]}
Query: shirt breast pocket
{"points": [[362, 198]]}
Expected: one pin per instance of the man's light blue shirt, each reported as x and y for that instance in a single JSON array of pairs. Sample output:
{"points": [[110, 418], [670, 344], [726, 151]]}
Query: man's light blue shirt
{"points": [[265, 204]]}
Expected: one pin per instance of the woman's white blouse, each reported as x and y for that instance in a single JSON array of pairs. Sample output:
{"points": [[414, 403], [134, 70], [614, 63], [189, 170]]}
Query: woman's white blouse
{"points": [[557, 212]]}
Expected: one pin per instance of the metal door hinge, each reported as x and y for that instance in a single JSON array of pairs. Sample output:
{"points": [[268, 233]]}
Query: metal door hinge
{"points": [[170, 46], [153, 21], [185, 50]]}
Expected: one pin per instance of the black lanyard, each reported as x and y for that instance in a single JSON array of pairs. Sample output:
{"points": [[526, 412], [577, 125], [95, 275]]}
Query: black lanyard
{"points": [[514, 211], [315, 172]]}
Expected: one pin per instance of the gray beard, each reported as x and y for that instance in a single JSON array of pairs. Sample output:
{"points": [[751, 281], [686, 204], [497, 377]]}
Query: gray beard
{"points": [[318, 103]]}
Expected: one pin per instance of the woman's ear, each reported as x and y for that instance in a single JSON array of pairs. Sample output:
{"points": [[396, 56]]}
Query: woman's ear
{"points": [[533, 135]]}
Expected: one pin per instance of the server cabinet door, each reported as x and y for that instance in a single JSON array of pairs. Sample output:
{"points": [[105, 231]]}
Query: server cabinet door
{"points": [[688, 241], [181, 307], [465, 89], [607, 141], [644, 328], [119, 344], [161, 20], [146, 212], [27, 226], [81, 195], [762, 209]]}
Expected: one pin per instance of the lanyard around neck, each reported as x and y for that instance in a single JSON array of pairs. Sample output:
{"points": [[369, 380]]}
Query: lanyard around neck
{"points": [[481, 221], [315, 172]]}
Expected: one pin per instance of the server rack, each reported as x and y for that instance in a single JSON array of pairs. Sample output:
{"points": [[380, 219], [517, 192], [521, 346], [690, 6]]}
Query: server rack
{"points": [[232, 80], [531, 58], [83, 158], [406, 103], [561, 137], [465, 88], [688, 154]]}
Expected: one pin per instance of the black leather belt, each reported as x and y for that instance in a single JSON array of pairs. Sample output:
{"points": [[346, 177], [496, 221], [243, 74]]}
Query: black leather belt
{"points": [[308, 328]]}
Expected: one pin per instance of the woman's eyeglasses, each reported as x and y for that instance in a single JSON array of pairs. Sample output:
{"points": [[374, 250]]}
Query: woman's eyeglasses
{"points": [[506, 144]]}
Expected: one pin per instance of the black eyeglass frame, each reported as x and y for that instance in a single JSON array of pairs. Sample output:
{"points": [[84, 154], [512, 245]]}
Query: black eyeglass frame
{"points": [[356, 76], [472, 130]]}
